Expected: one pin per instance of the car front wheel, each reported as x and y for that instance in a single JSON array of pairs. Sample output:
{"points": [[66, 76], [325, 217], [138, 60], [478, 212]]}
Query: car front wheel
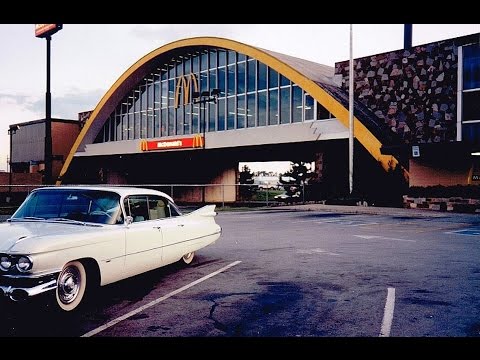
{"points": [[71, 285]]}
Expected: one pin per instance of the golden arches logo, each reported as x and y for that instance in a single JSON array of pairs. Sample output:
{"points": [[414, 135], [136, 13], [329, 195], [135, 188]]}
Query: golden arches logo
{"points": [[184, 83], [197, 141], [143, 145]]}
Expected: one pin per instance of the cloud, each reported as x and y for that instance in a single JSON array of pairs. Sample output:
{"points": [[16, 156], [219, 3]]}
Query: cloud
{"points": [[69, 105], [13, 99]]}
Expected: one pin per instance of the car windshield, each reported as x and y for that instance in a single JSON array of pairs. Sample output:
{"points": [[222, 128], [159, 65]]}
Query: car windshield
{"points": [[71, 206]]}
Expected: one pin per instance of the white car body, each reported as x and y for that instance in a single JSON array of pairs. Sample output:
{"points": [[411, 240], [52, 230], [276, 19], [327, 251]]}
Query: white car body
{"points": [[108, 252]]}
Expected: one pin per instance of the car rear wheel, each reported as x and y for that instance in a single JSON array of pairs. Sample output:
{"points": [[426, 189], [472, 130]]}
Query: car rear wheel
{"points": [[188, 258], [71, 286]]}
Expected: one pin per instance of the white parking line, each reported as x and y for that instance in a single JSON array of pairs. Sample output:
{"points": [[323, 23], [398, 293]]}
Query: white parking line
{"points": [[155, 302], [388, 313], [367, 237]]}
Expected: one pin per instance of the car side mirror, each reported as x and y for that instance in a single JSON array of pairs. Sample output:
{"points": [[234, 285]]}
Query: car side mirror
{"points": [[128, 220]]}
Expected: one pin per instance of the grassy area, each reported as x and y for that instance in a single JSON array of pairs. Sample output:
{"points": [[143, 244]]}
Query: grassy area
{"points": [[261, 195]]}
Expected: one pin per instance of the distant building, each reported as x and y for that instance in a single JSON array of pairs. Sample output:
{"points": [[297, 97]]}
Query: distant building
{"points": [[266, 182], [28, 145]]}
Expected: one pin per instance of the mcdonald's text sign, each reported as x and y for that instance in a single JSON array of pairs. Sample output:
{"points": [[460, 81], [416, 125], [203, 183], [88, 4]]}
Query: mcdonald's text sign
{"points": [[196, 141]]}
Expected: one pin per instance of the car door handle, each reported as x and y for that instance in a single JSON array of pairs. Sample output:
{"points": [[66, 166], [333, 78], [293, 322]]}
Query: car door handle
{"points": [[181, 225], [157, 227]]}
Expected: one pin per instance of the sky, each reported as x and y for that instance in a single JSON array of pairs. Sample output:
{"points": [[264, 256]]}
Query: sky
{"points": [[86, 59]]}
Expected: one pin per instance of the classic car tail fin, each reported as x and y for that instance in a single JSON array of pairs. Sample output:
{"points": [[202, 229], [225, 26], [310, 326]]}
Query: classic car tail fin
{"points": [[207, 210]]}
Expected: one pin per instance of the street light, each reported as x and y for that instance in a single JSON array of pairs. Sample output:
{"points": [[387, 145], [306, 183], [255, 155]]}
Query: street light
{"points": [[46, 31], [203, 98]]}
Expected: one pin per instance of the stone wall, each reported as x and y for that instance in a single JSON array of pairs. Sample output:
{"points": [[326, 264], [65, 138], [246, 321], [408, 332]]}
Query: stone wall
{"points": [[413, 91]]}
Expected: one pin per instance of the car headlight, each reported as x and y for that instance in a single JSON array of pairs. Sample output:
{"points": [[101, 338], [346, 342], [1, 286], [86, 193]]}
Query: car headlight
{"points": [[5, 262], [24, 263]]}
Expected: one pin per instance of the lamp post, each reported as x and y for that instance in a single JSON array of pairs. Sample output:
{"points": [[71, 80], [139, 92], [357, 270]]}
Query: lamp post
{"points": [[46, 31], [203, 98]]}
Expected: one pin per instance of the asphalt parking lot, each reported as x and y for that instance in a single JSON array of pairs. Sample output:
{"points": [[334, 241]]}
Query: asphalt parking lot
{"points": [[287, 273]]}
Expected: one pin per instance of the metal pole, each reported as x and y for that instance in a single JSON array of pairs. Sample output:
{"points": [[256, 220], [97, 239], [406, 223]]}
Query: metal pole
{"points": [[350, 111], [10, 163], [48, 122], [223, 196]]}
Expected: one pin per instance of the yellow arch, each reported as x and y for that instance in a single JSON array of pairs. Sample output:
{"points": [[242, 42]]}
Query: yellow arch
{"points": [[139, 70]]}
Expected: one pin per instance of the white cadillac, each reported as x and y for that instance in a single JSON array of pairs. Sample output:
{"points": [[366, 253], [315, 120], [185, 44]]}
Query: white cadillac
{"points": [[71, 240]]}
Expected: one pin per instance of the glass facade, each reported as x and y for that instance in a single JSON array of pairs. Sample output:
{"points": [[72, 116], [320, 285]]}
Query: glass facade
{"points": [[251, 94], [471, 94]]}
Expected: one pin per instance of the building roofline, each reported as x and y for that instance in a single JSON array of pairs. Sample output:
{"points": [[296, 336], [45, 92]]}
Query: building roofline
{"points": [[297, 70]]}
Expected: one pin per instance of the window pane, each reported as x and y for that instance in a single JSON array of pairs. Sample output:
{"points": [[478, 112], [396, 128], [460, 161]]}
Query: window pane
{"points": [[203, 81], [136, 126], [164, 124], [221, 81], [195, 118], [156, 123], [231, 80], [179, 69], [213, 59], [179, 129], [240, 111], [262, 108], [471, 105], [309, 104], [164, 94], [213, 79], [297, 104], [221, 115], [272, 78], [284, 81], [322, 113], [171, 121], [285, 105], [231, 57], [212, 111], [471, 67], [272, 107], [188, 118], [171, 93], [240, 78], [262, 76], [250, 110], [231, 113], [251, 75], [196, 64], [241, 57], [204, 61], [222, 58], [471, 133]]}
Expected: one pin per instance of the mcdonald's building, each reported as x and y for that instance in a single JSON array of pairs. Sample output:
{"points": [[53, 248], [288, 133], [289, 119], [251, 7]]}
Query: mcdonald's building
{"points": [[191, 110]]}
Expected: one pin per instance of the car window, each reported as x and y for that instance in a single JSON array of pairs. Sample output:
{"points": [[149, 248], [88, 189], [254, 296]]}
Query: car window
{"points": [[101, 207], [157, 207], [174, 210], [137, 207]]}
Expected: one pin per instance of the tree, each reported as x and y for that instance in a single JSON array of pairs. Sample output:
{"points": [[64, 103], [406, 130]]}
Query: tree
{"points": [[246, 178], [299, 174]]}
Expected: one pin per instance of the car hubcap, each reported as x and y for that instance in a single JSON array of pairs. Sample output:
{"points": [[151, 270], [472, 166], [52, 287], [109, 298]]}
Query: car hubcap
{"points": [[188, 256], [68, 285]]}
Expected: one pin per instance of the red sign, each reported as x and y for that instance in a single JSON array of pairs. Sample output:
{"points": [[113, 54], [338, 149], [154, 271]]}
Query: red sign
{"points": [[44, 30], [196, 141]]}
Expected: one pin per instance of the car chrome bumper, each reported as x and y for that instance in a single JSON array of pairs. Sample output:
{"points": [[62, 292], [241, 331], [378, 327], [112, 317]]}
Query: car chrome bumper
{"points": [[17, 292]]}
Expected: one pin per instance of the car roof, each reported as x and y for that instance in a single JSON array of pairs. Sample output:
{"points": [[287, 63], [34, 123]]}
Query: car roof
{"points": [[121, 190]]}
